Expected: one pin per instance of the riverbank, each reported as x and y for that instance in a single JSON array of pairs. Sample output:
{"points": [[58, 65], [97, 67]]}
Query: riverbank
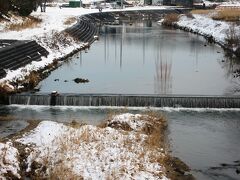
{"points": [[49, 34], [214, 30], [124, 146]]}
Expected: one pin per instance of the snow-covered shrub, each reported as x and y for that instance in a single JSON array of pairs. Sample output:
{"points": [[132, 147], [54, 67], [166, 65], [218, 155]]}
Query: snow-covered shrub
{"points": [[55, 40]]}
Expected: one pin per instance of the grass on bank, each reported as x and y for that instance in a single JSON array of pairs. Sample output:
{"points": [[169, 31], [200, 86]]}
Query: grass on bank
{"points": [[227, 15], [70, 20], [202, 11], [28, 23], [220, 14], [170, 19]]}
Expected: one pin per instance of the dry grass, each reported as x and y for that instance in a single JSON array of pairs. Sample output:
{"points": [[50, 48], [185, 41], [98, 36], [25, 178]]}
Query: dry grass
{"points": [[70, 20], [156, 130], [4, 88], [28, 23], [202, 11], [170, 19], [76, 124], [33, 79], [221, 14], [54, 40], [227, 15], [110, 114], [61, 172]]}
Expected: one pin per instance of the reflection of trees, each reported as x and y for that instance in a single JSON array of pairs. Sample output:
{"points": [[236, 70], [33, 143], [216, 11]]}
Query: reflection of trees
{"points": [[232, 68], [163, 77]]}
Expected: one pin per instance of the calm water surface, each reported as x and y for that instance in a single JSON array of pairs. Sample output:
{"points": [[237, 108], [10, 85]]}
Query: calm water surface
{"points": [[145, 58]]}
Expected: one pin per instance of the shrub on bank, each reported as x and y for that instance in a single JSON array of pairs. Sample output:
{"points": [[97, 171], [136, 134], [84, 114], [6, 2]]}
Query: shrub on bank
{"points": [[170, 19], [233, 40]]}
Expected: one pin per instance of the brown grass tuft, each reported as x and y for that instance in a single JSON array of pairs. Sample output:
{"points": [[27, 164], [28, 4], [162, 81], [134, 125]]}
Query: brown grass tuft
{"points": [[33, 79], [170, 19], [202, 11], [4, 88], [75, 124], [61, 172], [28, 23], [70, 20], [227, 15]]}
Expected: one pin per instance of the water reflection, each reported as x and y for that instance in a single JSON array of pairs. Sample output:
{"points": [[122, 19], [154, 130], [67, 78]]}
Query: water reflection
{"points": [[163, 75], [142, 57], [231, 66]]}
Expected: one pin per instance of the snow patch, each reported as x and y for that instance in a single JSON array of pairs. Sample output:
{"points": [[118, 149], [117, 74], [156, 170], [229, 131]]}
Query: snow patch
{"points": [[8, 160], [205, 26]]}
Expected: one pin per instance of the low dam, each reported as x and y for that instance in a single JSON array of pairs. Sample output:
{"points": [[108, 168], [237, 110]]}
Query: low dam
{"points": [[126, 100]]}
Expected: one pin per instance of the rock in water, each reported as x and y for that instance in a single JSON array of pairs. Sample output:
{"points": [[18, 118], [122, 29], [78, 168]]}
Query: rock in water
{"points": [[80, 80]]}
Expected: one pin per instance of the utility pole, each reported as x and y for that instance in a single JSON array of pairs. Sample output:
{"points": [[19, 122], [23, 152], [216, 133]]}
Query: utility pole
{"points": [[121, 4]]}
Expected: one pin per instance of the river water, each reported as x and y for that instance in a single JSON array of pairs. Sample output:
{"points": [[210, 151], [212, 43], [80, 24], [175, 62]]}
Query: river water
{"points": [[146, 58], [203, 138]]}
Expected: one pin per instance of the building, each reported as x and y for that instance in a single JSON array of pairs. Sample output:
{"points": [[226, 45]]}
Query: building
{"points": [[74, 3]]}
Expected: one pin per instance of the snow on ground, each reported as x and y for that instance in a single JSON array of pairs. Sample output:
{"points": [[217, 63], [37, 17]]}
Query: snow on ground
{"points": [[134, 121], [53, 19], [91, 152], [204, 25], [8, 160], [226, 3]]}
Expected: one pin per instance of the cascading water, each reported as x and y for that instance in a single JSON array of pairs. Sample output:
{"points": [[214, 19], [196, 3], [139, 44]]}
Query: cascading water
{"points": [[127, 100]]}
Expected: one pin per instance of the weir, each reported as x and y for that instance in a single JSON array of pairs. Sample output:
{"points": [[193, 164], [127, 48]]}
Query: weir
{"points": [[126, 100]]}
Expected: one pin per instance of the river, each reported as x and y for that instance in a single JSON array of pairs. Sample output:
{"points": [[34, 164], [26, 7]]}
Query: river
{"points": [[143, 57]]}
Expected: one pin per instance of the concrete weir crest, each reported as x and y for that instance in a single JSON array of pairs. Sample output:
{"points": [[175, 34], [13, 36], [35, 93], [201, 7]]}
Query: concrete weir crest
{"points": [[127, 100]]}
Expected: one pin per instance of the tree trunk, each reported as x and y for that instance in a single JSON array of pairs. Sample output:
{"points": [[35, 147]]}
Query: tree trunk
{"points": [[44, 5]]}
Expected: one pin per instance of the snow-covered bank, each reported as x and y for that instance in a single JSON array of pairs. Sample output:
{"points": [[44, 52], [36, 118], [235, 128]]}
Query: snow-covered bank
{"points": [[46, 33], [206, 26], [124, 148]]}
